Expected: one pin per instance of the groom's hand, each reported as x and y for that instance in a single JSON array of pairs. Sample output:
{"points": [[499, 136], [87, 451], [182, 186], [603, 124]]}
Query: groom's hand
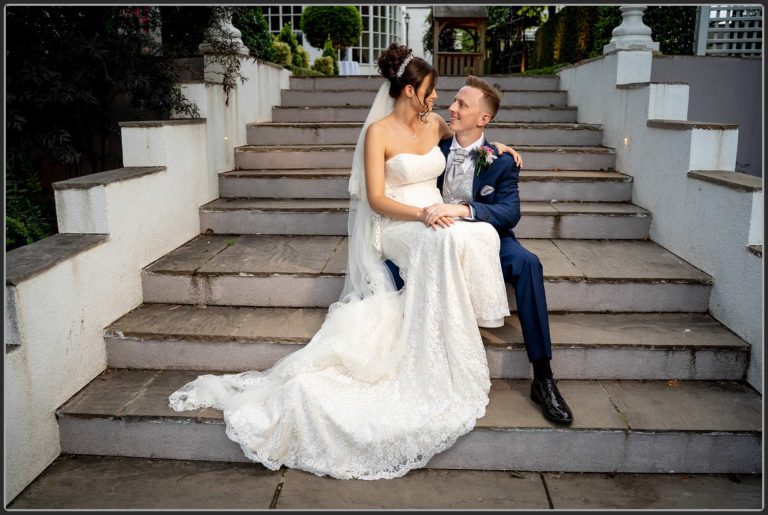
{"points": [[443, 214]]}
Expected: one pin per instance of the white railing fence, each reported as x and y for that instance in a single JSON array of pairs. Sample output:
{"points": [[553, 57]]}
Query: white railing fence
{"points": [[729, 30]]}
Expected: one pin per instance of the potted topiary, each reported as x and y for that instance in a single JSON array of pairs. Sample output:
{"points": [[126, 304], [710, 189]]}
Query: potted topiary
{"points": [[341, 24]]}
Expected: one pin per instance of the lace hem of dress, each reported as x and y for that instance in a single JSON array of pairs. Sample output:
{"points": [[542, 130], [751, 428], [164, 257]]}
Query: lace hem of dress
{"points": [[356, 470]]}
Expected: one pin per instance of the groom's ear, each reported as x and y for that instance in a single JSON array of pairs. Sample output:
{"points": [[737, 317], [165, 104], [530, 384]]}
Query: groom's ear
{"points": [[484, 120]]}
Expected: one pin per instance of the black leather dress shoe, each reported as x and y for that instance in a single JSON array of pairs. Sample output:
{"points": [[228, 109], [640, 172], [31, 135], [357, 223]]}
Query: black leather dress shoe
{"points": [[544, 392]]}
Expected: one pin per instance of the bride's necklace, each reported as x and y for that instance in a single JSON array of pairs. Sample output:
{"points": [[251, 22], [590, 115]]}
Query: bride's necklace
{"points": [[413, 136]]}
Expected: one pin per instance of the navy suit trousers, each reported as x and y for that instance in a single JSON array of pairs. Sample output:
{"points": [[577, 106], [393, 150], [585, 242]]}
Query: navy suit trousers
{"points": [[522, 269]]}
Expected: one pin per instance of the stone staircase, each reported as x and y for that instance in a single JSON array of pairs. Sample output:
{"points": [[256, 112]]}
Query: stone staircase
{"points": [[654, 381]]}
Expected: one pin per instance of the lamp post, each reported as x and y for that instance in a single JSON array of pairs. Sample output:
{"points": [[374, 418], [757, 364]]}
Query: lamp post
{"points": [[407, 19]]}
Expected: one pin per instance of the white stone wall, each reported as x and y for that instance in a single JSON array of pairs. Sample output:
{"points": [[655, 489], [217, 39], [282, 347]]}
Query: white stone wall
{"points": [[250, 102], [58, 316], [708, 225]]}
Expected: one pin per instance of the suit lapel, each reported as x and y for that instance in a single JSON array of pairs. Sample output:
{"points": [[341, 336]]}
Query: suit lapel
{"points": [[445, 148], [477, 181]]}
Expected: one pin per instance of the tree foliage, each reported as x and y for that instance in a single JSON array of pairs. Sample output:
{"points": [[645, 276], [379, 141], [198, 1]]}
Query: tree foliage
{"points": [[74, 72], [255, 32], [577, 32], [342, 24]]}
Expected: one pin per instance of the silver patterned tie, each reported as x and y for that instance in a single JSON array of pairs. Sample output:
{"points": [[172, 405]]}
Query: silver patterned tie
{"points": [[458, 158]]}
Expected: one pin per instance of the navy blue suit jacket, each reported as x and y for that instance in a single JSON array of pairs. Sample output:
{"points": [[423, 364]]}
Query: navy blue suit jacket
{"points": [[501, 207]]}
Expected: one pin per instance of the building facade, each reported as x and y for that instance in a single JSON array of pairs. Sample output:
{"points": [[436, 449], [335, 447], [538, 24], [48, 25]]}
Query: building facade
{"points": [[382, 24]]}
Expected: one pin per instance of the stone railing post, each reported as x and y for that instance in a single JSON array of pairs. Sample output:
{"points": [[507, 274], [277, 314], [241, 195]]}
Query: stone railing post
{"points": [[633, 45], [632, 34], [222, 31]]}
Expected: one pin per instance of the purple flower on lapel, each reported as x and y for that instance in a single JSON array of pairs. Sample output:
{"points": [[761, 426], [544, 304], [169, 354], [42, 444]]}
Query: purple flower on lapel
{"points": [[484, 157]]}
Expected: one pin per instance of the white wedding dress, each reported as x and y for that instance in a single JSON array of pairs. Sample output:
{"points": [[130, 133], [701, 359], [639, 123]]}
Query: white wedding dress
{"points": [[392, 377]]}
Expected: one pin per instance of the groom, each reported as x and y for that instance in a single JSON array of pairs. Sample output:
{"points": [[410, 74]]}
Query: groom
{"points": [[489, 193]]}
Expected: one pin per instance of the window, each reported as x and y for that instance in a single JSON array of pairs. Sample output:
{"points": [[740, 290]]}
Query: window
{"points": [[381, 26], [279, 15]]}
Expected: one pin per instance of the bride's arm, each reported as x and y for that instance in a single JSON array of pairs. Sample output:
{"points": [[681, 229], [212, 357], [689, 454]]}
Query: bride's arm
{"points": [[374, 180], [446, 132], [442, 127]]}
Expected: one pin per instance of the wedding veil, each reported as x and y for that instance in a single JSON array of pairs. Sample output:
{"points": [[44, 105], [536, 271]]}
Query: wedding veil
{"points": [[366, 272]]}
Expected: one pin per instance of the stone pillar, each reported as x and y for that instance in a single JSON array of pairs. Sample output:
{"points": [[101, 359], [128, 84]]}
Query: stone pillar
{"points": [[632, 34], [633, 47], [222, 31]]}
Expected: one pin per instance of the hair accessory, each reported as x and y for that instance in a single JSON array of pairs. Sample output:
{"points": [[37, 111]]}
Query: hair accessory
{"points": [[401, 70]]}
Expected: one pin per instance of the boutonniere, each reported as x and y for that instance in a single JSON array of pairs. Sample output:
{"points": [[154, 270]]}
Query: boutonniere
{"points": [[484, 157]]}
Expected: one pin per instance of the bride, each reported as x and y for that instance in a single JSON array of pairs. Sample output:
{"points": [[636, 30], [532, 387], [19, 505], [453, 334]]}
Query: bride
{"points": [[392, 377]]}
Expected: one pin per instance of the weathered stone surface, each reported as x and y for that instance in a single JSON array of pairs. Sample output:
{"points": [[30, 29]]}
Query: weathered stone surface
{"points": [[556, 264], [642, 260], [268, 254], [419, 489], [152, 401], [109, 393], [218, 323], [626, 330], [188, 258], [96, 482], [108, 177], [313, 205], [614, 208], [734, 180], [511, 406], [654, 491], [27, 261], [337, 264], [689, 406]]}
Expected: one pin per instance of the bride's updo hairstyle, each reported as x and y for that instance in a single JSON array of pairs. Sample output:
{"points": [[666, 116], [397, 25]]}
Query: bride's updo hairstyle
{"points": [[414, 73]]}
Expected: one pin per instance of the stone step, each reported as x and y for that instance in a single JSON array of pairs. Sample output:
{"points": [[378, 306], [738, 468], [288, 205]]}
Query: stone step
{"points": [[535, 185], [585, 345], [335, 133], [619, 426], [308, 271], [591, 220], [544, 157], [524, 114], [329, 98], [506, 82]]}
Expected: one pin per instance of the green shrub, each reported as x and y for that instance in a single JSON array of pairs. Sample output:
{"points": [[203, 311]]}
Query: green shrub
{"points": [[303, 72], [323, 65], [342, 24], [287, 35], [282, 53], [255, 32], [26, 220], [332, 54], [301, 57]]}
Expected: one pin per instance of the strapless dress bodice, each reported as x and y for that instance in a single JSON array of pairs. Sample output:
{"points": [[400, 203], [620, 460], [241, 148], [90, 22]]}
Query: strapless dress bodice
{"points": [[412, 178]]}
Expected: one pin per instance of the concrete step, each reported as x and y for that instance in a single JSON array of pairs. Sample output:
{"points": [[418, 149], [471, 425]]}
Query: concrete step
{"points": [[506, 82], [335, 133], [308, 271], [356, 97], [524, 114], [585, 345], [543, 157], [328, 183], [591, 220], [619, 426]]}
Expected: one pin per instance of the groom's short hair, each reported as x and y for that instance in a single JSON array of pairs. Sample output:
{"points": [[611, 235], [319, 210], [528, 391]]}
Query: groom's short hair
{"points": [[491, 95]]}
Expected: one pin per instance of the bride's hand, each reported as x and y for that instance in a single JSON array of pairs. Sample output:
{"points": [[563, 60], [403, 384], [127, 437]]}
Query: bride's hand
{"points": [[443, 214], [509, 150]]}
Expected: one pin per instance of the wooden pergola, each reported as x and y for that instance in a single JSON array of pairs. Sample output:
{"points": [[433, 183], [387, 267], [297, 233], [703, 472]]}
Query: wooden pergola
{"points": [[473, 20]]}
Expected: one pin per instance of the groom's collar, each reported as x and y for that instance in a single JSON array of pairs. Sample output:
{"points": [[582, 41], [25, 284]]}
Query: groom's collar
{"points": [[479, 142]]}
